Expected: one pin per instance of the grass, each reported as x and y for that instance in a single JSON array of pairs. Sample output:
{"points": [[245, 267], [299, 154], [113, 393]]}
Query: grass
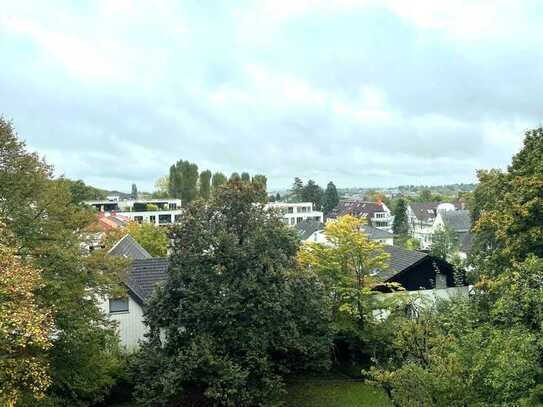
{"points": [[328, 392], [334, 393]]}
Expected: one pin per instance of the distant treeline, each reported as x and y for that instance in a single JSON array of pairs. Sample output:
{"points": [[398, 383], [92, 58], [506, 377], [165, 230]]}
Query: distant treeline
{"points": [[186, 183]]}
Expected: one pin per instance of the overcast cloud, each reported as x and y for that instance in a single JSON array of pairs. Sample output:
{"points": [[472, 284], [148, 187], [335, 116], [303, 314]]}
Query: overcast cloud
{"points": [[365, 93]]}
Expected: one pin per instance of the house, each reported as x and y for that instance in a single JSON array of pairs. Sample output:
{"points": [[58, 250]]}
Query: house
{"points": [[313, 231], [294, 213], [421, 217], [140, 279], [157, 211], [460, 223], [377, 214], [415, 271]]}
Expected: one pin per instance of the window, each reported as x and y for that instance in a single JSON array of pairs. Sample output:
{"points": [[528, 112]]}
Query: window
{"points": [[299, 219], [117, 305], [164, 219], [290, 209], [152, 218], [380, 215], [177, 218], [138, 219], [173, 205], [292, 221]]}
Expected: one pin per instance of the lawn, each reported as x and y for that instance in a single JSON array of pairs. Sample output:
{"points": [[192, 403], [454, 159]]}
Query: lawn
{"points": [[328, 393], [334, 393]]}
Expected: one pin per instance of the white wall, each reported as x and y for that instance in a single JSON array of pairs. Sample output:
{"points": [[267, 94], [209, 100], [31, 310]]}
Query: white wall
{"points": [[130, 326], [300, 211]]}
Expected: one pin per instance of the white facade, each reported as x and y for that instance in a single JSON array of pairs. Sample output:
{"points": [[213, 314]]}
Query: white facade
{"points": [[130, 326], [382, 220], [294, 213], [168, 212]]}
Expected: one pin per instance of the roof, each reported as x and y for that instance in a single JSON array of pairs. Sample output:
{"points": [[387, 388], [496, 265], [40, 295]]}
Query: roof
{"points": [[144, 275], [465, 239], [307, 227], [128, 247], [458, 221], [400, 260], [424, 211], [357, 208], [374, 233]]}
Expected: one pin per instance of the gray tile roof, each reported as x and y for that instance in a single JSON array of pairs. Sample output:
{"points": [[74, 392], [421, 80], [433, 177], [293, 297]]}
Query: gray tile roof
{"points": [[400, 259], [458, 221], [128, 247], [424, 211], [145, 274], [307, 227], [355, 208], [375, 234]]}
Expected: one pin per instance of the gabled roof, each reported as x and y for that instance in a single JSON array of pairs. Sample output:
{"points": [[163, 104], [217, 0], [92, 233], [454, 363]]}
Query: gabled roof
{"points": [[144, 275], [400, 260], [307, 227], [374, 233], [458, 221], [424, 211], [356, 208], [128, 247]]}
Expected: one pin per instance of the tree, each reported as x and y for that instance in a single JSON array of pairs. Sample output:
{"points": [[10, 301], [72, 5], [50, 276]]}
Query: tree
{"points": [[508, 210], [235, 177], [444, 243], [46, 224], [162, 187], [345, 265], [313, 193], [400, 226], [205, 184], [278, 197], [151, 237], [134, 192], [218, 179], [189, 176], [81, 192], [297, 190], [235, 316], [25, 328], [425, 195], [245, 177], [331, 198], [260, 182]]}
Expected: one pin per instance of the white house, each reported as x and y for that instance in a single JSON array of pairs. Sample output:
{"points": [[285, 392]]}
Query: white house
{"points": [[421, 217], [167, 212], [142, 276], [377, 214], [313, 231], [294, 213], [460, 223]]}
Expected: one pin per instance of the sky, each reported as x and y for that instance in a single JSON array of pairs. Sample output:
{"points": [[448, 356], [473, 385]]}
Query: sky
{"points": [[361, 92]]}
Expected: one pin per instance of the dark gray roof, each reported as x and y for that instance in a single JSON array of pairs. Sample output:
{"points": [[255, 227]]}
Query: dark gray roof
{"points": [[424, 211], [374, 233], [128, 247], [145, 274], [356, 208], [458, 221], [307, 227], [400, 260]]}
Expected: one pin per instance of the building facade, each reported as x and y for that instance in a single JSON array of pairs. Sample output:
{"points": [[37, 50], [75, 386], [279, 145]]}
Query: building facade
{"points": [[377, 214], [294, 213], [157, 211]]}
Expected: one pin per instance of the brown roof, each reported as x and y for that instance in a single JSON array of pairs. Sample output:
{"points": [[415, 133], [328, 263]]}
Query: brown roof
{"points": [[356, 208]]}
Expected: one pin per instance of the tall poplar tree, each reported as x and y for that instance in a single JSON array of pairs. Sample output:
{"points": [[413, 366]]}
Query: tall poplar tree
{"points": [[330, 199], [205, 184]]}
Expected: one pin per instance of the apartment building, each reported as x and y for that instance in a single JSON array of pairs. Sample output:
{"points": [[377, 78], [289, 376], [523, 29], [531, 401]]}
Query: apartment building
{"points": [[294, 213]]}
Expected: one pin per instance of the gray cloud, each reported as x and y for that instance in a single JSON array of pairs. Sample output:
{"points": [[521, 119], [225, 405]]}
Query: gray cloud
{"points": [[362, 94]]}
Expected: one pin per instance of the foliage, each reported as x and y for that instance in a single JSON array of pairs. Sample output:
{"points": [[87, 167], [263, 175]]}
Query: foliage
{"points": [[218, 179], [313, 193], [134, 192], [444, 243], [411, 243], [235, 177], [345, 265], [183, 181], [151, 237], [297, 190], [81, 192], [400, 226], [25, 328], [161, 187], [205, 184], [235, 316], [245, 177], [46, 224], [150, 207], [508, 210], [330, 198]]}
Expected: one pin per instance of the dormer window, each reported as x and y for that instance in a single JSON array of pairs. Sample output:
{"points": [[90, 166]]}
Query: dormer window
{"points": [[118, 305]]}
